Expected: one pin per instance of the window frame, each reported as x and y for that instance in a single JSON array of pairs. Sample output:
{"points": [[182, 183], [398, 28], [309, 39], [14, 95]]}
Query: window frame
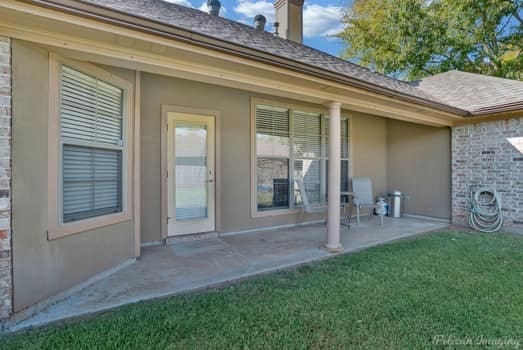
{"points": [[56, 227], [324, 115]]}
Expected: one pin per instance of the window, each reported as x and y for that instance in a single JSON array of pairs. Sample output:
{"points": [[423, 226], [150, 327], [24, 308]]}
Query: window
{"points": [[293, 144], [90, 127], [272, 157], [92, 144], [307, 154], [344, 154]]}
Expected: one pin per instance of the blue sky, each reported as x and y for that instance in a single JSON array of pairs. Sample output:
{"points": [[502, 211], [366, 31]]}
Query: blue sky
{"points": [[320, 18]]}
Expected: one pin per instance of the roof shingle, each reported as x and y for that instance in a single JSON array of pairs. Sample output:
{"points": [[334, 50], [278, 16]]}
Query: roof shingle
{"points": [[475, 93], [468, 92], [241, 34]]}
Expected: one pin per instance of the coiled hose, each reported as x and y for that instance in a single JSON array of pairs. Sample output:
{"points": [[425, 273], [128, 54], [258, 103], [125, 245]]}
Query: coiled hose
{"points": [[485, 211]]}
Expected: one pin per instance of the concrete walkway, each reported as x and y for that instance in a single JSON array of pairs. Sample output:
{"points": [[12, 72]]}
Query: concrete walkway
{"points": [[195, 264]]}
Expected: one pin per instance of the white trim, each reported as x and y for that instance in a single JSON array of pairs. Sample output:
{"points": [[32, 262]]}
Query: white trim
{"points": [[56, 228]]}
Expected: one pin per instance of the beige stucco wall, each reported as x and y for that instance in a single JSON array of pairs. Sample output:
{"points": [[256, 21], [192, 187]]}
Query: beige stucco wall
{"points": [[234, 138], [369, 150], [369, 145], [43, 268], [419, 165]]}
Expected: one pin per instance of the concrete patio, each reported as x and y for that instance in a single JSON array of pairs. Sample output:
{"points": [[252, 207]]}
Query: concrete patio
{"points": [[188, 265]]}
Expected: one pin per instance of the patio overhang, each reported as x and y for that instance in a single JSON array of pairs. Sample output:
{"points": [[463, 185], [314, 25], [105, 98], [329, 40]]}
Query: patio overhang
{"points": [[158, 50]]}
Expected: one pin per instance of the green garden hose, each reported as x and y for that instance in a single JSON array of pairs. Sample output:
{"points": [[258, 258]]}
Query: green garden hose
{"points": [[485, 210]]}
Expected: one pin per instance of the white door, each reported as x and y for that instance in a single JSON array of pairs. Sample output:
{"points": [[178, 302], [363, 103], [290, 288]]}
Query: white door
{"points": [[190, 174]]}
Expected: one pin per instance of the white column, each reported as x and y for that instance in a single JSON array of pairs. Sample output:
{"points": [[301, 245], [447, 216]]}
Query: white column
{"points": [[333, 218]]}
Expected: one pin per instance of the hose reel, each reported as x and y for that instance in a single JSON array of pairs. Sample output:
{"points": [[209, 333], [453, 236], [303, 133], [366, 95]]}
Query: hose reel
{"points": [[485, 210]]}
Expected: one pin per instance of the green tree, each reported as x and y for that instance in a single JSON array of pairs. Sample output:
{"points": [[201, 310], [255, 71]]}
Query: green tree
{"points": [[416, 38]]}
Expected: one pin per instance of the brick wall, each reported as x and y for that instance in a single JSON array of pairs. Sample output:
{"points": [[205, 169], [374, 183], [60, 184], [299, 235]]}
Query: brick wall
{"points": [[489, 154], [5, 178]]}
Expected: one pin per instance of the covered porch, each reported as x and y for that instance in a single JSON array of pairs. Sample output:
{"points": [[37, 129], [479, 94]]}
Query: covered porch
{"points": [[186, 265], [242, 186]]}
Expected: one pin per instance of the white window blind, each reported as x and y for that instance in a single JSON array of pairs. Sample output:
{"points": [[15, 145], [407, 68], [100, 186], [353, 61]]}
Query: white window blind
{"points": [[91, 129], [344, 139], [306, 134], [91, 110], [273, 155], [291, 145], [272, 132], [307, 154], [92, 182]]}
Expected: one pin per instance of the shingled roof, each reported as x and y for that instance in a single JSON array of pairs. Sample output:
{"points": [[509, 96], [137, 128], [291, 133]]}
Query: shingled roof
{"points": [[463, 92], [476, 93], [241, 34]]}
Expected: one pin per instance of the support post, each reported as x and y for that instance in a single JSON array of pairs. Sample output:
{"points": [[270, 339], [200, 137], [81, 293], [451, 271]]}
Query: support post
{"points": [[333, 218], [137, 163]]}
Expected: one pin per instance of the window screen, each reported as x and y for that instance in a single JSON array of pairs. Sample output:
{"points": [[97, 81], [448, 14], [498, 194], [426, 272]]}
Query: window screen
{"points": [[91, 129]]}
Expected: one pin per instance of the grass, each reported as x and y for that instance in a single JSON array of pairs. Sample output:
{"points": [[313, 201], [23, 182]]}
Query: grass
{"points": [[450, 288]]}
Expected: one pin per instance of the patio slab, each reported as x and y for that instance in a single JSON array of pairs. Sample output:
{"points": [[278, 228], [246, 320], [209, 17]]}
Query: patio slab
{"points": [[190, 265]]}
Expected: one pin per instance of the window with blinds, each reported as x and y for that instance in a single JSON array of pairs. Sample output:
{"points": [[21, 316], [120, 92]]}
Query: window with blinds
{"points": [[92, 145], [292, 145], [344, 153], [272, 132], [272, 157], [306, 144]]}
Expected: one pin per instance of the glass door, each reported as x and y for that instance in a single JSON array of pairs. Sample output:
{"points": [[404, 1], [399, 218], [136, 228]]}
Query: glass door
{"points": [[190, 178]]}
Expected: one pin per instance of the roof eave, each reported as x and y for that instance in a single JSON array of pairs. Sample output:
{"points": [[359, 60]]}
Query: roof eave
{"points": [[149, 26], [504, 108]]}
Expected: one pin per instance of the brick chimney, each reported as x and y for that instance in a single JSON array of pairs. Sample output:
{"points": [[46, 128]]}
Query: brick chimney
{"points": [[289, 14]]}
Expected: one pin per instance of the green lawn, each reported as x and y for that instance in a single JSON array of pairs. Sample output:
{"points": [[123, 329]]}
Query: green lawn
{"points": [[453, 286]]}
